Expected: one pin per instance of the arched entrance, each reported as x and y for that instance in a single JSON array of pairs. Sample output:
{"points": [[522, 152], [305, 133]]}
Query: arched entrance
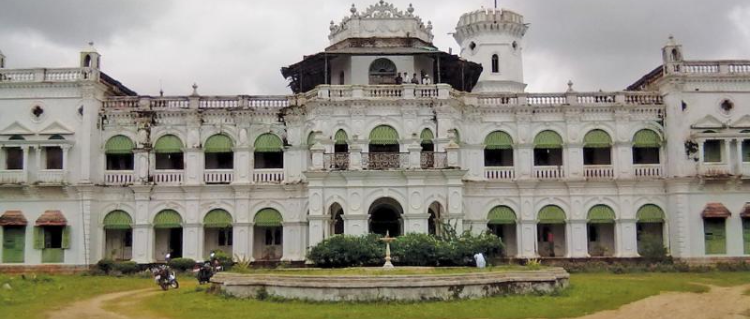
{"points": [[435, 221], [167, 235], [336, 224], [118, 235], [269, 232], [386, 216]]}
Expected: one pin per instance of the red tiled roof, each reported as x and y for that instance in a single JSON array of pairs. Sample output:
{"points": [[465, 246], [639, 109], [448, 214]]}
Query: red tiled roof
{"points": [[52, 218], [13, 218], [716, 210]]}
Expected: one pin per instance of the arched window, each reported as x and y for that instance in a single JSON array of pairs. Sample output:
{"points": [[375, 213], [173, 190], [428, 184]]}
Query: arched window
{"points": [[168, 153], [495, 64], [498, 150], [119, 153], [53, 155], [551, 232], [428, 149], [548, 149], [87, 61], [382, 71], [601, 231], [597, 148], [269, 152], [218, 152], [646, 146]]}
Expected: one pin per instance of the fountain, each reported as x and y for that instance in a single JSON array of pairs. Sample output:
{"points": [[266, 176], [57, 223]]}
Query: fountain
{"points": [[387, 240]]}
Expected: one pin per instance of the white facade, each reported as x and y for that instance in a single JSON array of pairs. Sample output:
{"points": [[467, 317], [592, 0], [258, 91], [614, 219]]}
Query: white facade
{"points": [[287, 169]]}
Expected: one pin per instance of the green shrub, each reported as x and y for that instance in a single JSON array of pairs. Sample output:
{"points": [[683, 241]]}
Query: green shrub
{"points": [[105, 265], [415, 250], [181, 264], [652, 249], [346, 251], [225, 260], [126, 267]]}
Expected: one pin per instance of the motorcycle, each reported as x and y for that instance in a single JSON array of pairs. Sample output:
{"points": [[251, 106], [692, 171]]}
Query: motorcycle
{"points": [[165, 277], [208, 269]]}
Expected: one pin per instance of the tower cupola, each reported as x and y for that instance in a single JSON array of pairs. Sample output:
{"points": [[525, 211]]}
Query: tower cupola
{"points": [[494, 39], [90, 58], [672, 56]]}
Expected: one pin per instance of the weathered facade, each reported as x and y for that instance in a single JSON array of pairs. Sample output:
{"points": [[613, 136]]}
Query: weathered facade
{"points": [[90, 169]]}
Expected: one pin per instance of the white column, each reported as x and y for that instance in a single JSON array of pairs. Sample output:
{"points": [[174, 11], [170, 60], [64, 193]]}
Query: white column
{"points": [[242, 161], [193, 166], [355, 157], [318, 152], [143, 232], [527, 239], [626, 235], [317, 229], [415, 151], [242, 247], [573, 160], [141, 166], [293, 244], [577, 239]]}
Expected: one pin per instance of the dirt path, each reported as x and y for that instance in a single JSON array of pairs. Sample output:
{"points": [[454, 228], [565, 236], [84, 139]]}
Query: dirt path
{"points": [[719, 303], [94, 308]]}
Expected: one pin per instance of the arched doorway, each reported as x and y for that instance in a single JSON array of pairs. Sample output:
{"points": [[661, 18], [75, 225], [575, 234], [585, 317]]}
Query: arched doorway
{"points": [[650, 227], [336, 224], [217, 232], [167, 234], [386, 216], [435, 221], [601, 231], [382, 71], [118, 235], [551, 233], [501, 221], [269, 232]]}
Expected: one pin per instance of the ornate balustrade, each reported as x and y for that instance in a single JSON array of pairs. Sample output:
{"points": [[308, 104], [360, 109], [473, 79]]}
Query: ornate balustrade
{"points": [[119, 178], [218, 176], [336, 161], [168, 177], [714, 169], [570, 98], [500, 173], [268, 176], [385, 161], [714, 67], [433, 160], [48, 75], [198, 102], [549, 172], [54, 177], [598, 172], [13, 177], [648, 170]]}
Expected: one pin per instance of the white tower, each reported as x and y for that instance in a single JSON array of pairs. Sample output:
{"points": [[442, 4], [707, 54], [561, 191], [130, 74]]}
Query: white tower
{"points": [[672, 56], [494, 39], [90, 58]]}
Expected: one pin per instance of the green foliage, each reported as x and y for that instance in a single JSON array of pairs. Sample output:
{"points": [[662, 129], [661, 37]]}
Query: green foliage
{"points": [[534, 264], [225, 260], [415, 250], [652, 248], [126, 267], [105, 265], [241, 264], [181, 264], [347, 251]]}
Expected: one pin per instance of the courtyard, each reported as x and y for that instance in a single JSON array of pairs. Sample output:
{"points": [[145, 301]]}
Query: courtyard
{"points": [[710, 294]]}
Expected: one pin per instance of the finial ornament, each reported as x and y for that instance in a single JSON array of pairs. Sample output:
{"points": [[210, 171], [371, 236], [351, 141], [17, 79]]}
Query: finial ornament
{"points": [[195, 89], [410, 9], [570, 86], [353, 9]]}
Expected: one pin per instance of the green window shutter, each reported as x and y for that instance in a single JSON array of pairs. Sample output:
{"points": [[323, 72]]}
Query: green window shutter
{"points": [[119, 144], [168, 144], [384, 135], [715, 236], [650, 214], [217, 218], [268, 143], [551, 215], [498, 141], [268, 217], [38, 238], [341, 138], [66, 238], [601, 214], [548, 139], [501, 215], [597, 139], [218, 143], [426, 136], [746, 234], [167, 219], [646, 139], [118, 220]]}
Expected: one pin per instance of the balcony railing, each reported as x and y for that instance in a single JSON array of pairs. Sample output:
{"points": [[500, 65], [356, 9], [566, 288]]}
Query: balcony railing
{"points": [[218, 176], [549, 172], [13, 177], [53, 177], [433, 160], [48, 75], [169, 177], [336, 161], [200, 102], [385, 161], [598, 171], [714, 169], [648, 170], [500, 173], [119, 178], [268, 176]]}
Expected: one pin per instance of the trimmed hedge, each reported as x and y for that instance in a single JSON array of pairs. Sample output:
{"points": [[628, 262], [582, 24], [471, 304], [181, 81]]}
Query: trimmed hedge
{"points": [[408, 250], [181, 264], [109, 266]]}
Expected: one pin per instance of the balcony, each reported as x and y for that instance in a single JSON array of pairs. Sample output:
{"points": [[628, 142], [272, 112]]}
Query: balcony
{"points": [[336, 161], [433, 160], [598, 172], [13, 177], [169, 177], [385, 161], [268, 176], [549, 172], [714, 170], [218, 176], [500, 173], [50, 177], [119, 178], [648, 170]]}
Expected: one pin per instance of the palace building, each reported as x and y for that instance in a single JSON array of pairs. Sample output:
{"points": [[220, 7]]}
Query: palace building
{"points": [[90, 169]]}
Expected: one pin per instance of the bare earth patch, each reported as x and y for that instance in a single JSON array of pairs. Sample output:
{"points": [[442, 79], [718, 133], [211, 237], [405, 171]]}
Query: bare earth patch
{"points": [[718, 303], [95, 308]]}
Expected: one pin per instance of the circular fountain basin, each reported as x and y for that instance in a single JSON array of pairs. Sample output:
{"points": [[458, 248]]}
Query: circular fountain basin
{"points": [[418, 287]]}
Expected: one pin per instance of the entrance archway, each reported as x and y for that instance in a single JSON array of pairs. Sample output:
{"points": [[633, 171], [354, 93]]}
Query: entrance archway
{"points": [[435, 221], [336, 224], [386, 216]]}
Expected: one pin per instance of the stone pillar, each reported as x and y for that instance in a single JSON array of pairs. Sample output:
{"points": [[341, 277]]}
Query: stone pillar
{"points": [[318, 161], [242, 248], [577, 239], [573, 162], [355, 157], [143, 232], [627, 238], [317, 229], [192, 241], [527, 239], [678, 224], [524, 162], [141, 166], [415, 159], [408, 91], [242, 163], [193, 166], [294, 244], [452, 151]]}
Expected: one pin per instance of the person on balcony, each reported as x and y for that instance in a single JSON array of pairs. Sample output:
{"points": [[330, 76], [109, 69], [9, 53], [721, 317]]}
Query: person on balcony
{"points": [[414, 79], [426, 80], [399, 79], [407, 78]]}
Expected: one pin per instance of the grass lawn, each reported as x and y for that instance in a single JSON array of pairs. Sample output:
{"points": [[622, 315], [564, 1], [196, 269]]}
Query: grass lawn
{"points": [[588, 293], [30, 298]]}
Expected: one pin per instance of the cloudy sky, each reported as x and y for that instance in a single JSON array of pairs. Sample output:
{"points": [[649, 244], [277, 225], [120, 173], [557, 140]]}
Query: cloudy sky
{"points": [[238, 46]]}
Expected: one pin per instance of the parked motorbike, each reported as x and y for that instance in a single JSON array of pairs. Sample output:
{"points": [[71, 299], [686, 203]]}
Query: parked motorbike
{"points": [[208, 269], [164, 276]]}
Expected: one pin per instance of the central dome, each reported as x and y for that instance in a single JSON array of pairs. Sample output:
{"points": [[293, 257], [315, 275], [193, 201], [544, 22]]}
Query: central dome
{"points": [[381, 20]]}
